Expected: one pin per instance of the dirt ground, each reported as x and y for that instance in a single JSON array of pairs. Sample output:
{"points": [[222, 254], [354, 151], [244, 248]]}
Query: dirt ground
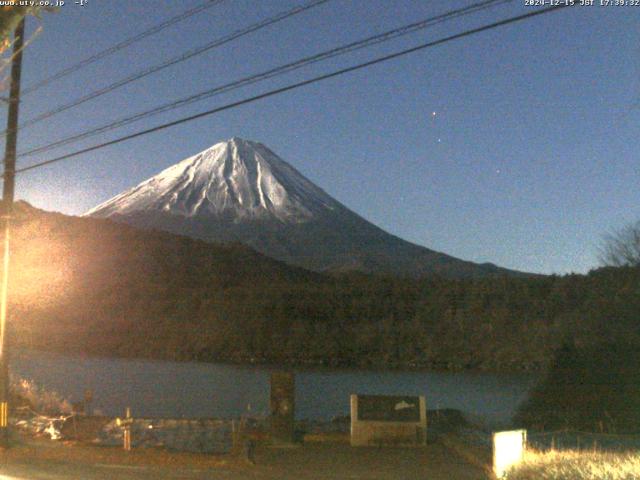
{"points": [[38, 459]]}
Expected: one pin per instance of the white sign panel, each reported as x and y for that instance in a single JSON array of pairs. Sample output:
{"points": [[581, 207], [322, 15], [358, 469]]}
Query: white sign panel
{"points": [[508, 450]]}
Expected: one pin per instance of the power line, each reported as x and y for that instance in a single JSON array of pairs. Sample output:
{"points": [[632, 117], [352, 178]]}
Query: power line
{"points": [[295, 86], [120, 46], [274, 72], [175, 60]]}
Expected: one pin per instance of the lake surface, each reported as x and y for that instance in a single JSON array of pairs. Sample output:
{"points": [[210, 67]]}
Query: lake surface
{"points": [[170, 389]]}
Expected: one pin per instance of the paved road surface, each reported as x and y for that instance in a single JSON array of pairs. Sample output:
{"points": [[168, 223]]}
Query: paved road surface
{"points": [[58, 471], [323, 461]]}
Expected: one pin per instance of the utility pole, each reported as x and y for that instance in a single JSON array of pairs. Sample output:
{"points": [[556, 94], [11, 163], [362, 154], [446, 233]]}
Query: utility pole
{"points": [[8, 190]]}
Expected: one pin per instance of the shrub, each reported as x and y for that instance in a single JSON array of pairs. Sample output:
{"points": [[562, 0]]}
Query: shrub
{"points": [[577, 465], [39, 399]]}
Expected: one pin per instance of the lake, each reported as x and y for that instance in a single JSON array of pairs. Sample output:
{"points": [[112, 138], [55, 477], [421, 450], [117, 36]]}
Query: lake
{"points": [[168, 389]]}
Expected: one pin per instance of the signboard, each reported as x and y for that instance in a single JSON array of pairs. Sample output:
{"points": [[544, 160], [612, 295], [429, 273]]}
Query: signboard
{"points": [[384, 408], [388, 420], [508, 450]]}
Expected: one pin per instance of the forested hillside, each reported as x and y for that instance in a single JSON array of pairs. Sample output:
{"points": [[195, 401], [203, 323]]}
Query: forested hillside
{"points": [[93, 286]]}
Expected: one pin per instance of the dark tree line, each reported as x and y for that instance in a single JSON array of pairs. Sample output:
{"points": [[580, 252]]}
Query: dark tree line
{"points": [[85, 285]]}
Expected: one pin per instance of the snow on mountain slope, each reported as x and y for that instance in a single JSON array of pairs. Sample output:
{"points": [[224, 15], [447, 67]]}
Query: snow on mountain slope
{"points": [[236, 179], [240, 191]]}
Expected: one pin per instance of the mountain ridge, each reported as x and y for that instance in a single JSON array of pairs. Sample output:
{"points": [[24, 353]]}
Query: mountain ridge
{"points": [[239, 190]]}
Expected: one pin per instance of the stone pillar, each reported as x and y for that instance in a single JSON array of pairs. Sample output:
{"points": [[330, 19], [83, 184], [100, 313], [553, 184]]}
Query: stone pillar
{"points": [[282, 407]]}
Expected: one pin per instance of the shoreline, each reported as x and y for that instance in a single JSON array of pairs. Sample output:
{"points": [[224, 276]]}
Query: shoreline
{"points": [[298, 367]]}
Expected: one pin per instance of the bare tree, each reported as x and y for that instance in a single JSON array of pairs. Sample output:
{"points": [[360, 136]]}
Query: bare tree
{"points": [[9, 19], [622, 247]]}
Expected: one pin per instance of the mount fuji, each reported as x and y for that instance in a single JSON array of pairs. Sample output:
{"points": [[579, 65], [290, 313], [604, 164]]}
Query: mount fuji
{"points": [[241, 191]]}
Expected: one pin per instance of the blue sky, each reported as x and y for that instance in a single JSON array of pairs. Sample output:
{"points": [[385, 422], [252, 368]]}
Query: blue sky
{"points": [[532, 156]]}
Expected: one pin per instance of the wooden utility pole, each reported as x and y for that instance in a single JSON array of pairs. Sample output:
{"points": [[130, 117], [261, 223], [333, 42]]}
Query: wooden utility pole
{"points": [[7, 210]]}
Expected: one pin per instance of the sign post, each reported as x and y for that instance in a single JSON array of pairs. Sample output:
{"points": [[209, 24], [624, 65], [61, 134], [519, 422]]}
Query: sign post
{"points": [[126, 423]]}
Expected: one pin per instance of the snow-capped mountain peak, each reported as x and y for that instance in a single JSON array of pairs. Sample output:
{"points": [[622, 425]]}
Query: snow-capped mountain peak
{"points": [[236, 179], [240, 191]]}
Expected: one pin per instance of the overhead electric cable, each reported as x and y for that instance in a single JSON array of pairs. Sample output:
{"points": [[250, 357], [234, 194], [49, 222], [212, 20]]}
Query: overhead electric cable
{"points": [[274, 72], [120, 46], [173, 61], [297, 85]]}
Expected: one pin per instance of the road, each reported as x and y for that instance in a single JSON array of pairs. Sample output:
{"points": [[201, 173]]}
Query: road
{"points": [[316, 461], [76, 471]]}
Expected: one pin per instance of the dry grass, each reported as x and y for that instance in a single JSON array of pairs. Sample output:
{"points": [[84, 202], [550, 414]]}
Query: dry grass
{"points": [[577, 465]]}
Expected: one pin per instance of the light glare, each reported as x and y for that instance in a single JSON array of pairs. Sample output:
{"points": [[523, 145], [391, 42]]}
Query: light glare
{"points": [[508, 450]]}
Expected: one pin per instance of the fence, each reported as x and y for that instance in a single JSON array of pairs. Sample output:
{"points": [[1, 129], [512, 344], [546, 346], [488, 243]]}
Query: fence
{"points": [[578, 440], [186, 435], [201, 435], [563, 440]]}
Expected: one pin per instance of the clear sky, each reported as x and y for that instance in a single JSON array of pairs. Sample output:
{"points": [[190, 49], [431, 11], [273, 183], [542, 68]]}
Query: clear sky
{"points": [[533, 154]]}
